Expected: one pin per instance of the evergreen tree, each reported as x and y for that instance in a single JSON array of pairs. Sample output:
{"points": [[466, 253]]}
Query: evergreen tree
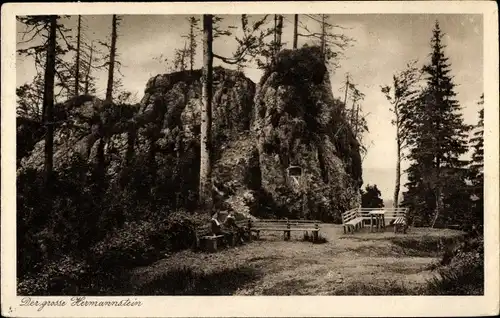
{"points": [[112, 58], [401, 95], [355, 118], [48, 97], [30, 99], [477, 166], [370, 197], [87, 57], [46, 56], [77, 57], [477, 142], [191, 37], [252, 44], [36, 40], [437, 139], [75, 74], [89, 80], [331, 42], [179, 63]]}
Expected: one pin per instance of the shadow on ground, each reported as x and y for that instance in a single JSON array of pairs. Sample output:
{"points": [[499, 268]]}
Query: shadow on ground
{"points": [[286, 288], [186, 281]]}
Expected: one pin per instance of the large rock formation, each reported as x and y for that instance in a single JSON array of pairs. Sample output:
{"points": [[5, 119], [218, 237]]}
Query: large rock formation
{"points": [[171, 105], [298, 123], [292, 120]]}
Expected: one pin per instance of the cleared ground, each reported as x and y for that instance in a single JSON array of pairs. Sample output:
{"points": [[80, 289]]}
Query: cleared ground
{"points": [[347, 264]]}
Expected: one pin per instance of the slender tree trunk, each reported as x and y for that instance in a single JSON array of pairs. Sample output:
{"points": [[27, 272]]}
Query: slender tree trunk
{"points": [[438, 190], [77, 64], [279, 33], [275, 33], [356, 123], [112, 53], [398, 170], [438, 207], [48, 99], [109, 99], [275, 41], [346, 89], [295, 30], [323, 35], [87, 76], [183, 58], [205, 191], [192, 48], [353, 107]]}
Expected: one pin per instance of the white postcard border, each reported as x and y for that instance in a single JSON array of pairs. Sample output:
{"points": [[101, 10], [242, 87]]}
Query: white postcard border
{"points": [[237, 306]]}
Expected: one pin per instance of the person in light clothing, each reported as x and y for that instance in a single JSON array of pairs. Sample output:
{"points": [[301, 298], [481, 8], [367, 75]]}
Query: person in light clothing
{"points": [[216, 224]]}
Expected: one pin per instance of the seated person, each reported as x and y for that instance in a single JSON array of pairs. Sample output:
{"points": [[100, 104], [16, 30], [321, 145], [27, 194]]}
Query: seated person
{"points": [[230, 223], [225, 228], [216, 224]]}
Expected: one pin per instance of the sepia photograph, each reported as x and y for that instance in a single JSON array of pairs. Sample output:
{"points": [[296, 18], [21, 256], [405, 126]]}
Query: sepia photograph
{"points": [[289, 153]]}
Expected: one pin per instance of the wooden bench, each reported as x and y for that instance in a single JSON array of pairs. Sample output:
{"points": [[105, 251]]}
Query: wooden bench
{"points": [[287, 226], [352, 220], [206, 239], [400, 224], [397, 217], [393, 216]]}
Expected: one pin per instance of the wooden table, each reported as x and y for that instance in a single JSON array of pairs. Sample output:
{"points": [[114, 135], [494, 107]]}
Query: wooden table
{"points": [[379, 218]]}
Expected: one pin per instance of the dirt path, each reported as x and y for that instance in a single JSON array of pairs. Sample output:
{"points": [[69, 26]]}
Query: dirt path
{"points": [[364, 263]]}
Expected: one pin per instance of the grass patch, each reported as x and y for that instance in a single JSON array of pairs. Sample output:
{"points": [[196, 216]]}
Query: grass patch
{"points": [[373, 250], [286, 288], [425, 245], [187, 281], [386, 288]]}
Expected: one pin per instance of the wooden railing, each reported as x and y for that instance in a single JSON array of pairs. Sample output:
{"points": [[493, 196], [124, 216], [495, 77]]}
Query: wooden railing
{"points": [[390, 213], [363, 214]]}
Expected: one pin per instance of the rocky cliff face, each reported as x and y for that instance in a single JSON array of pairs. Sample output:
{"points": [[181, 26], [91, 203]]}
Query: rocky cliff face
{"points": [[171, 103], [299, 125], [291, 120]]}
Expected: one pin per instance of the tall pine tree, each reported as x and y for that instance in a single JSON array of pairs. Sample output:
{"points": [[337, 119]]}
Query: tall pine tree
{"points": [[331, 43], [477, 166], [192, 38], [401, 95], [477, 142], [438, 139]]}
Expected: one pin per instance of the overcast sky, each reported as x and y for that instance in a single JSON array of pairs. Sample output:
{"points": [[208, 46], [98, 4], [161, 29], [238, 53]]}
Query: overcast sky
{"points": [[384, 44]]}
